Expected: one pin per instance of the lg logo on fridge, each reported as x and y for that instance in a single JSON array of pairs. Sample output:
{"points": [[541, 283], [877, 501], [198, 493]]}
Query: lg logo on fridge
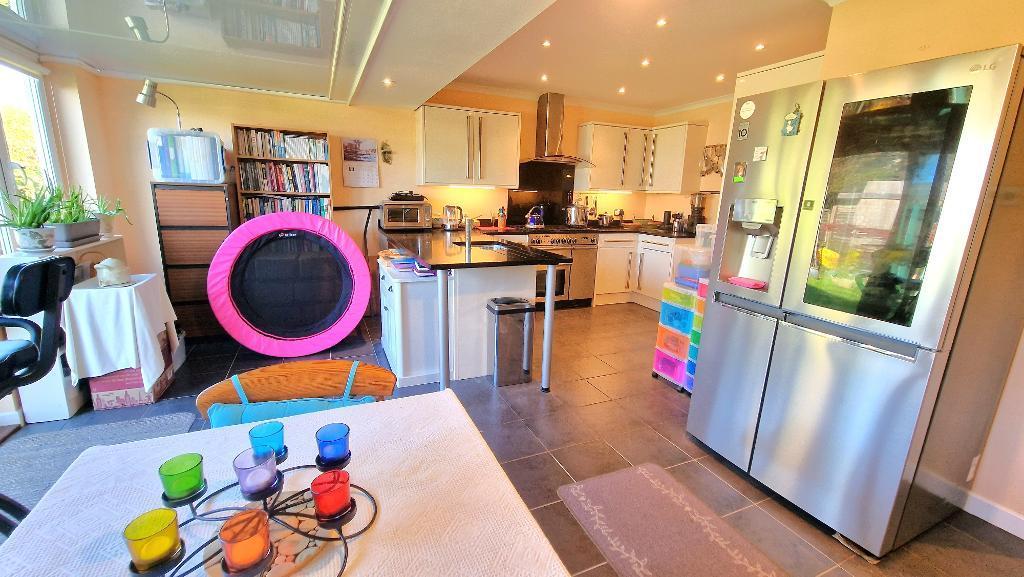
{"points": [[981, 67]]}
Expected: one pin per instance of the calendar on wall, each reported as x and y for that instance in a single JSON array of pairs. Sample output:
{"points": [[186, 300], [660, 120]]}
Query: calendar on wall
{"points": [[360, 163]]}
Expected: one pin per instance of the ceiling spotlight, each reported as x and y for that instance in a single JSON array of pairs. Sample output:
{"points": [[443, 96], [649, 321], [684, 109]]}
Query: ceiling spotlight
{"points": [[759, 47], [147, 97], [388, 82], [720, 78], [622, 90], [546, 43], [661, 23], [645, 62], [140, 30], [543, 77]]}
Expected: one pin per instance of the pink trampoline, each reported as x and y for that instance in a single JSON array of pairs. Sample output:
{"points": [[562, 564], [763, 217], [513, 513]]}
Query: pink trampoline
{"points": [[289, 284]]}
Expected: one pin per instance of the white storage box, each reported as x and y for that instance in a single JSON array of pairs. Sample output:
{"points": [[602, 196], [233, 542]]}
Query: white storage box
{"points": [[185, 156]]}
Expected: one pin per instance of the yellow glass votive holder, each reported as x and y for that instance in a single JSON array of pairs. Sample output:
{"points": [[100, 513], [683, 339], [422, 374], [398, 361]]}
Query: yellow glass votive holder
{"points": [[152, 538]]}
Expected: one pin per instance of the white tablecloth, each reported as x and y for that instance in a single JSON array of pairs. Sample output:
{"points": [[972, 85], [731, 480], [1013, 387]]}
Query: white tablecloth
{"points": [[116, 328], [446, 506]]}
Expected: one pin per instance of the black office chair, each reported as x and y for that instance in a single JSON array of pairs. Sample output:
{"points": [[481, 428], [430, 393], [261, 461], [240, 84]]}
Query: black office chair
{"points": [[29, 289]]}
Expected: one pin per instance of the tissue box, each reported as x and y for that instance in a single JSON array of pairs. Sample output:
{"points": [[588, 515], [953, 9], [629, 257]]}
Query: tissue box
{"points": [[124, 388]]}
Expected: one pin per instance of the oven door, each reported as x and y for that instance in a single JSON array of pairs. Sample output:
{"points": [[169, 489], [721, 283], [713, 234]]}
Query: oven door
{"points": [[562, 273]]}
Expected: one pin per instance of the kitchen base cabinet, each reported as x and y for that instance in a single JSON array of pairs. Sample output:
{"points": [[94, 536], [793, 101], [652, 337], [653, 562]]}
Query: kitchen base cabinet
{"points": [[616, 268], [408, 321], [654, 267]]}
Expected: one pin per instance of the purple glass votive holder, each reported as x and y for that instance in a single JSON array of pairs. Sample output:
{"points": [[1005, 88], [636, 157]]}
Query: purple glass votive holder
{"points": [[256, 469], [332, 442]]}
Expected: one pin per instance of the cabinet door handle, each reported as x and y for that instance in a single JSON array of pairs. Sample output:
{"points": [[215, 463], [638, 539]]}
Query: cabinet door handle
{"points": [[479, 147], [640, 272], [391, 289], [469, 147], [381, 277], [385, 307], [650, 175], [629, 267], [643, 163], [625, 147]]}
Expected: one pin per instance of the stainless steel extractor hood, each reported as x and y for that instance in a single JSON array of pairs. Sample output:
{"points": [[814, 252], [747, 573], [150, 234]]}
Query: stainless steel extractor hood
{"points": [[550, 118]]}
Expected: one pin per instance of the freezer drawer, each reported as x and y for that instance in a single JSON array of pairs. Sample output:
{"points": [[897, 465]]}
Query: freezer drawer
{"points": [[729, 384], [836, 430]]}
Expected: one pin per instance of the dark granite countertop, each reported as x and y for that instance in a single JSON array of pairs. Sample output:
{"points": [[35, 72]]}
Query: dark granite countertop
{"points": [[563, 229], [442, 250]]}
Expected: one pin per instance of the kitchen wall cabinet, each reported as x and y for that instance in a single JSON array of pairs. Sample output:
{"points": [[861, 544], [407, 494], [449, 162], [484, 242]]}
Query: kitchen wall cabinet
{"points": [[467, 146], [617, 153], [676, 158]]}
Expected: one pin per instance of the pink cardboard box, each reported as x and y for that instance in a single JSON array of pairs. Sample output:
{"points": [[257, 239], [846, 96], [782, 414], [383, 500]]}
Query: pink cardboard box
{"points": [[124, 388]]}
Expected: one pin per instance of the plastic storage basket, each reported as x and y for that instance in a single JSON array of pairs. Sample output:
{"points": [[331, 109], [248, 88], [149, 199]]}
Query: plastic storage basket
{"points": [[187, 156]]}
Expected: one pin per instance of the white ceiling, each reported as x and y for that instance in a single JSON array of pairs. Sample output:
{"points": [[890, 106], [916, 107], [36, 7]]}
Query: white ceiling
{"points": [[597, 46]]}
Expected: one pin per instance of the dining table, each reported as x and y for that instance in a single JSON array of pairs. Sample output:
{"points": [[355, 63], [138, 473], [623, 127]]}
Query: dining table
{"points": [[444, 505]]}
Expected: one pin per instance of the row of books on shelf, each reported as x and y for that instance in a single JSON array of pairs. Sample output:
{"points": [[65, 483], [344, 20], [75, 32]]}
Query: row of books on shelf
{"points": [[259, 205], [268, 176], [275, 144], [248, 24], [311, 6]]}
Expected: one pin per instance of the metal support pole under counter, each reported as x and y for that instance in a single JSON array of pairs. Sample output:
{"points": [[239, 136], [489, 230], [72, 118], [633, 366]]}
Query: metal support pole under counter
{"points": [[444, 370], [549, 327]]}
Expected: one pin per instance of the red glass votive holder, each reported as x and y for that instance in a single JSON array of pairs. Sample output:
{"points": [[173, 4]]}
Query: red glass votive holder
{"points": [[245, 539], [331, 494]]}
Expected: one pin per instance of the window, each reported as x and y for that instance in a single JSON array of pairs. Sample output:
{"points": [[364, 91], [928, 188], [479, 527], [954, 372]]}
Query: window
{"points": [[28, 154]]}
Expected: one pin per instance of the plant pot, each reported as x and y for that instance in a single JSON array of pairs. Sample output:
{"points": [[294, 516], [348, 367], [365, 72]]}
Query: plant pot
{"points": [[34, 240], [75, 231], [107, 226]]}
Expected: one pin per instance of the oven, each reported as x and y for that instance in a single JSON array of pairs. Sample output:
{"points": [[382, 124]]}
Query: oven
{"points": [[405, 215], [562, 276], [573, 281]]}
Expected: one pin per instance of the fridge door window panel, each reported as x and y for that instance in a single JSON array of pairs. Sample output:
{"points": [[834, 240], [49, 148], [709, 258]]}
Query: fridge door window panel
{"points": [[837, 425], [880, 244]]}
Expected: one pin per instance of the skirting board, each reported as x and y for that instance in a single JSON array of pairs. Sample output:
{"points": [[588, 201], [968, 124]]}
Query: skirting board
{"points": [[1007, 520], [630, 297], [10, 418]]}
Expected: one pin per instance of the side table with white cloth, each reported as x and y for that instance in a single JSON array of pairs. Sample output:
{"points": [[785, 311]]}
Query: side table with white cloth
{"points": [[114, 328], [446, 506], [56, 395]]}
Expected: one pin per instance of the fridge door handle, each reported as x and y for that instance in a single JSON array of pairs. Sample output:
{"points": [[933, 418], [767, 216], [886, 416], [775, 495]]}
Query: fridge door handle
{"points": [[749, 307], [877, 343]]}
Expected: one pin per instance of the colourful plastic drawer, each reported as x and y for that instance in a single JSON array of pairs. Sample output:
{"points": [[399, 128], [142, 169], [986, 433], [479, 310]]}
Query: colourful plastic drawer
{"points": [[698, 322], [669, 367], [676, 318], [688, 383], [702, 288], [692, 355], [700, 306], [672, 342], [695, 338], [682, 298], [691, 367]]}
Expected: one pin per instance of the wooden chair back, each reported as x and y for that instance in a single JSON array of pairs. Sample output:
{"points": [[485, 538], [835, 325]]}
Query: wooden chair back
{"points": [[301, 380]]}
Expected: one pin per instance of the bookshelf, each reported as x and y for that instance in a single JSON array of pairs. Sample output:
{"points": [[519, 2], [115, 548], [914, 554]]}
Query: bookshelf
{"points": [[299, 27], [281, 170]]}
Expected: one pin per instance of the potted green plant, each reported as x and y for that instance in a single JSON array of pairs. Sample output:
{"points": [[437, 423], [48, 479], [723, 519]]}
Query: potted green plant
{"points": [[72, 220], [27, 214], [107, 210]]}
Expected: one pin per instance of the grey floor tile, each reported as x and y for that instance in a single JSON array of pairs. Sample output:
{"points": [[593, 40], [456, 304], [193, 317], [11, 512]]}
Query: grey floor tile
{"points": [[608, 419], [209, 363], [413, 390], [36, 428], [739, 480], [560, 428], [212, 347], [199, 425], [512, 440], [675, 431], [665, 404], [537, 479], [574, 548], [645, 445], [577, 393], [819, 536], [588, 460], [713, 491], [957, 553], [624, 384], [785, 548], [590, 366], [985, 532], [105, 416], [528, 401], [170, 406], [600, 571], [899, 563], [188, 383], [629, 360]]}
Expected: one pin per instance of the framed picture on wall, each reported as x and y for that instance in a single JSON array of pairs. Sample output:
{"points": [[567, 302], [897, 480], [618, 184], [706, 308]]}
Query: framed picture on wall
{"points": [[711, 168]]}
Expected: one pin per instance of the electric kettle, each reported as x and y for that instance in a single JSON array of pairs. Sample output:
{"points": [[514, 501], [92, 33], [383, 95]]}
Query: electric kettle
{"points": [[535, 217], [451, 217]]}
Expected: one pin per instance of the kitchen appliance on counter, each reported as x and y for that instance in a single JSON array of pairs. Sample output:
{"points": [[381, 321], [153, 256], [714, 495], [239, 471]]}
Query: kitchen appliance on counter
{"points": [[535, 217], [574, 282], [698, 204], [404, 211], [576, 215], [452, 217], [852, 359]]}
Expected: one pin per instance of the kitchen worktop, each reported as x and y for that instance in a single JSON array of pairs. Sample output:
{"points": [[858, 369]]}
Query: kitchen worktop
{"points": [[442, 250], [565, 229]]}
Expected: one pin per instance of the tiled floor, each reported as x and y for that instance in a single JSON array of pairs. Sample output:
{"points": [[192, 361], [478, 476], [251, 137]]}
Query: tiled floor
{"points": [[605, 412]]}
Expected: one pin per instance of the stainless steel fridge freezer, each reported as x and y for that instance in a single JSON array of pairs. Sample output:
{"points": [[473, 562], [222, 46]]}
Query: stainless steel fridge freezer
{"points": [[874, 404]]}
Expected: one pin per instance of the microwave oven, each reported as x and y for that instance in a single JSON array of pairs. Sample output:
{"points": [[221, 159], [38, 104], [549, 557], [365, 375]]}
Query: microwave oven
{"points": [[405, 215]]}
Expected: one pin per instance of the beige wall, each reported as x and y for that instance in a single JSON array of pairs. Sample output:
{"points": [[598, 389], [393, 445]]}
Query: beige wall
{"points": [[870, 34]]}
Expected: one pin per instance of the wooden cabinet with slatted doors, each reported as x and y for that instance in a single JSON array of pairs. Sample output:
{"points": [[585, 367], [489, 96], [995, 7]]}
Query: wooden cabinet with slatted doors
{"points": [[192, 221]]}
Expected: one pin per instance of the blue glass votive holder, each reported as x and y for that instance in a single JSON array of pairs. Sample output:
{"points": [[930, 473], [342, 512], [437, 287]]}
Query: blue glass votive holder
{"points": [[332, 442], [269, 434]]}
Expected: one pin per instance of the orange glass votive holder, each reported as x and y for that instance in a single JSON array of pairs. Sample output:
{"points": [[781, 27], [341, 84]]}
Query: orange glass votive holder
{"points": [[245, 539], [152, 538]]}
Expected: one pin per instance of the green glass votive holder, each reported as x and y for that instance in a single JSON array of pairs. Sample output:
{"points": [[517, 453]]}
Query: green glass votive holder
{"points": [[182, 476]]}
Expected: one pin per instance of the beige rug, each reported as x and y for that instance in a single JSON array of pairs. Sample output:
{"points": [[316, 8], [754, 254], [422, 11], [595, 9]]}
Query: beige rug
{"points": [[648, 525]]}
